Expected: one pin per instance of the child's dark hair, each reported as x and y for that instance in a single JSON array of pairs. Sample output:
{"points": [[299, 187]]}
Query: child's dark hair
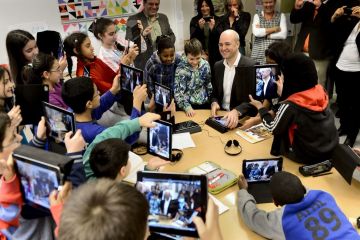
{"points": [[278, 51], [104, 209], [108, 157], [71, 42], [193, 47], [33, 73], [286, 188], [164, 42], [4, 70], [4, 124], [99, 26], [15, 42], [76, 92]]}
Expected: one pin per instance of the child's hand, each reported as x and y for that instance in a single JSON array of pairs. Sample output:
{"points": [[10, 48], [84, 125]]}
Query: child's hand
{"points": [[251, 122], [76, 143], [133, 52], [255, 103], [115, 88], [171, 107], [156, 162], [7, 168], [63, 63], [60, 197], [211, 229], [151, 105], [190, 112], [147, 120], [139, 95], [242, 183], [15, 116], [41, 130]]}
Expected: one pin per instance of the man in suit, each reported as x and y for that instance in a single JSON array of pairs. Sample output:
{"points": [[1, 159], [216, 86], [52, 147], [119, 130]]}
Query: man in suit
{"points": [[155, 24], [233, 79], [267, 170], [168, 206]]}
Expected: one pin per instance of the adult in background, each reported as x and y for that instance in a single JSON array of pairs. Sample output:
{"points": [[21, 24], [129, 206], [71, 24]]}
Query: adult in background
{"points": [[237, 20], [155, 24], [233, 79], [314, 37], [268, 26], [346, 24], [203, 27]]}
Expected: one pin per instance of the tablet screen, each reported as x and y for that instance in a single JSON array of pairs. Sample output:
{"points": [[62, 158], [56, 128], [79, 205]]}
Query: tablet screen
{"points": [[221, 121], [59, 121], [159, 139], [162, 94], [266, 75], [174, 202], [130, 77], [261, 170], [37, 182]]}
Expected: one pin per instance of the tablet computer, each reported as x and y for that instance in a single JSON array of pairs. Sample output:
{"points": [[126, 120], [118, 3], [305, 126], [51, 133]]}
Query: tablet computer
{"points": [[30, 98], [159, 140], [174, 200], [59, 121], [162, 95], [130, 77], [40, 173], [266, 75]]}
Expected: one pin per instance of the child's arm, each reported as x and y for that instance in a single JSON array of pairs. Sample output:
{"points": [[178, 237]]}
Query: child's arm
{"points": [[39, 139], [181, 92], [207, 83]]}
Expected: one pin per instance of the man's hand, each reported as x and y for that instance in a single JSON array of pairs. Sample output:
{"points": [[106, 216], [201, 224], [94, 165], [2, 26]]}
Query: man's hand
{"points": [[242, 183], [139, 95], [60, 197], [147, 120], [338, 13], [356, 11], [232, 119], [76, 143], [214, 108], [190, 112], [147, 31], [357, 151], [41, 130], [156, 162], [255, 103], [7, 168], [211, 229], [15, 116], [251, 122], [115, 88], [298, 4]]}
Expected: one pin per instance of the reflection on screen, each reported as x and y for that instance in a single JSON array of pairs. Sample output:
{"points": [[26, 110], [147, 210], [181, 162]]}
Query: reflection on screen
{"points": [[160, 140], [59, 123], [162, 95], [265, 82], [37, 183], [256, 171], [130, 78], [221, 121], [173, 203]]}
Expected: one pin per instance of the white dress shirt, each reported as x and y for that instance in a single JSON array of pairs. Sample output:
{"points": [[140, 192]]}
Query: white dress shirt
{"points": [[229, 75]]}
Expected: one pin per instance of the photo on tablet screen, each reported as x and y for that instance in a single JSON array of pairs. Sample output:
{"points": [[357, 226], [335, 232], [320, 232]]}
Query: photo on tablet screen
{"points": [[266, 76], [130, 77], [37, 182], [59, 121], [174, 202], [162, 94], [261, 170], [159, 139]]}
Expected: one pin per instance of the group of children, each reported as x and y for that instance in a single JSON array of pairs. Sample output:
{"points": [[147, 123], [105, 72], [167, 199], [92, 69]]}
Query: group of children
{"points": [[108, 209]]}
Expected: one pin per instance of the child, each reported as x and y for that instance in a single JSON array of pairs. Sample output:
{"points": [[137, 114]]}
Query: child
{"points": [[45, 69], [111, 52], [21, 48], [6, 90], [193, 80], [303, 127], [304, 214], [106, 209], [82, 96]]}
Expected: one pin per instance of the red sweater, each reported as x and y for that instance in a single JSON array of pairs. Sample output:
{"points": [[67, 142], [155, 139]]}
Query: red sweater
{"points": [[100, 73]]}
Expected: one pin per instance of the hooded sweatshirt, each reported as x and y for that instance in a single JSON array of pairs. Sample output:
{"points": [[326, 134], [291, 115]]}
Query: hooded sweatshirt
{"points": [[303, 127]]}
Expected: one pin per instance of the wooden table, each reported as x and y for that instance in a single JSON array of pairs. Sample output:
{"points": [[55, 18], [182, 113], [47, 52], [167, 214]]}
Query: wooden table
{"points": [[210, 147]]}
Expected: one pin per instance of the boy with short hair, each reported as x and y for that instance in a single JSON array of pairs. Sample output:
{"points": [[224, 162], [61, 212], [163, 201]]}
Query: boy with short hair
{"points": [[192, 89], [304, 214], [82, 96]]}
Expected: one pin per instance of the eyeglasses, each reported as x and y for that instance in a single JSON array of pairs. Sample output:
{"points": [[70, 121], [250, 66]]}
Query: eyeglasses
{"points": [[56, 70]]}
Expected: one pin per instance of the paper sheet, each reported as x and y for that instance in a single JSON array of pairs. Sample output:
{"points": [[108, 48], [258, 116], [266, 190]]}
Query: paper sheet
{"points": [[182, 140], [137, 164], [222, 207]]}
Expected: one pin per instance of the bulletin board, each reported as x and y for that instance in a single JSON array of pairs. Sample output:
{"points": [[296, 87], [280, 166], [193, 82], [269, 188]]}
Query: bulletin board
{"points": [[77, 15]]}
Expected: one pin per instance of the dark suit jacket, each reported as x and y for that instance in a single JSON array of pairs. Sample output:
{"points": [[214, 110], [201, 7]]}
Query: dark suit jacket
{"points": [[142, 58], [244, 83], [173, 207], [269, 171], [318, 28], [271, 89]]}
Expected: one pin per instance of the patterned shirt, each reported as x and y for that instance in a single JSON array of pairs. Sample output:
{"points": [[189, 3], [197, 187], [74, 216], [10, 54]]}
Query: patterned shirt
{"points": [[192, 86]]}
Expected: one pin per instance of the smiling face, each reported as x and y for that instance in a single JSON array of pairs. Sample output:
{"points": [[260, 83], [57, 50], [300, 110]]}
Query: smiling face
{"points": [[167, 56], [194, 60], [228, 45], [151, 7], [30, 50], [108, 38], [268, 6], [205, 9], [6, 86]]}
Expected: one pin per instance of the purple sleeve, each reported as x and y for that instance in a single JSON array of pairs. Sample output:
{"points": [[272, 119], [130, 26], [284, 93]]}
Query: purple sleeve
{"points": [[106, 101]]}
